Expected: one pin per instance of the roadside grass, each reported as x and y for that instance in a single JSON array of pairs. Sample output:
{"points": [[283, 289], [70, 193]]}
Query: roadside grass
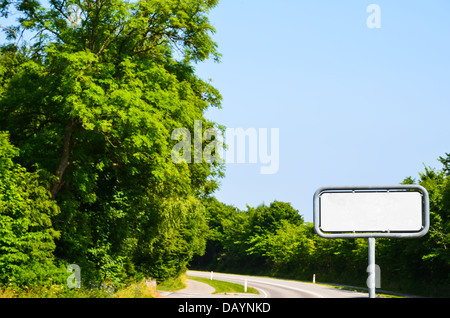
{"points": [[135, 289], [172, 285], [222, 287], [53, 291], [139, 290], [361, 290]]}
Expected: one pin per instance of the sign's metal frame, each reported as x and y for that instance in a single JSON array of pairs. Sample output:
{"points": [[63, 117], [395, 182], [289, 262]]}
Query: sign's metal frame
{"points": [[353, 234], [371, 236]]}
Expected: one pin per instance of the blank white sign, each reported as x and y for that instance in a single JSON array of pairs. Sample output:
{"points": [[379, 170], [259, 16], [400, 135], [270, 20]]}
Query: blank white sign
{"points": [[371, 212]]}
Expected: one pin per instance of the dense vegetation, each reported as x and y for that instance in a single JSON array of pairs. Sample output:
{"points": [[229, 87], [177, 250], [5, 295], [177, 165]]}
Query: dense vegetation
{"points": [[274, 240], [87, 108]]}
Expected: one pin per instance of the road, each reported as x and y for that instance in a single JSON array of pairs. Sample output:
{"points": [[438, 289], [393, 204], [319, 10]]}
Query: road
{"points": [[267, 287]]}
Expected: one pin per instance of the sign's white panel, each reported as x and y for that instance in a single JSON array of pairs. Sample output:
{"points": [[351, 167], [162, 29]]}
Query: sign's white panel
{"points": [[371, 212]]}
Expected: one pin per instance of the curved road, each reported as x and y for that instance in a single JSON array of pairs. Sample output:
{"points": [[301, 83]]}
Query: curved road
{"points": [[267, 287]]}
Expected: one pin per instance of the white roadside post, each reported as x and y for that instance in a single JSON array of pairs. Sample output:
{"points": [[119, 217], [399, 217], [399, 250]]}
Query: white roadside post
{"points": [[399, 211]]}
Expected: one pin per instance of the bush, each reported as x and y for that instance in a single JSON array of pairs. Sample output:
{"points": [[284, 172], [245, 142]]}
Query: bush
{"points": [[26, 232]]}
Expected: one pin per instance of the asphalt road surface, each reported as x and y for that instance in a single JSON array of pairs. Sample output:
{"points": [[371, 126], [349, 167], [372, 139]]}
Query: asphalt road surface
{"points": [[267, 287]]}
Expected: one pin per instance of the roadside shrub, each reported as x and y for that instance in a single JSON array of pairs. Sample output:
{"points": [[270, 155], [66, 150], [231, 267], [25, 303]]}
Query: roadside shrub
{"points": [[26, 232]]}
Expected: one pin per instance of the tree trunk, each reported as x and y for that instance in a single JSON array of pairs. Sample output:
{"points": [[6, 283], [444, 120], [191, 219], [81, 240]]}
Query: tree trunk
{"points": [[64, 163]]}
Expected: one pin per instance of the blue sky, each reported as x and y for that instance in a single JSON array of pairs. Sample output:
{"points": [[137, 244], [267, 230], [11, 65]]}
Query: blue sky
{"points": [[355, 106]]}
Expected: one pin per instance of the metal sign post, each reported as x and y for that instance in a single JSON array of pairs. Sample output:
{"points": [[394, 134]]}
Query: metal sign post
{"points": [[399, 211], [371, 281]]}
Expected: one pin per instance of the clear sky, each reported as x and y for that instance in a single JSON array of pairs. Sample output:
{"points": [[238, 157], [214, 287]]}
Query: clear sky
{"points": [[354, 105]]}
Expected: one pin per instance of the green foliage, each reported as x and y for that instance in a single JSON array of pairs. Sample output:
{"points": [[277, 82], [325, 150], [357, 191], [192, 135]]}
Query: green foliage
{"points": [[86, 175], [244, 240], [91, 108], [274, 240], [428, 259], [222, 287], [168, 243], [26, 232]]}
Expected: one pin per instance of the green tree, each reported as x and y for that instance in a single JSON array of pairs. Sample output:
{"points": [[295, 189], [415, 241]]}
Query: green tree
{"points": [[255, 240], [269, 218], [422, 265], [288, 250], [227, 227], [93, 103], [27, 238]]}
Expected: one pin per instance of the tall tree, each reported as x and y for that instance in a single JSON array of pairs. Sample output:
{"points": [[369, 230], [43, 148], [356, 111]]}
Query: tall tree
{"points": [[93, 102]]}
